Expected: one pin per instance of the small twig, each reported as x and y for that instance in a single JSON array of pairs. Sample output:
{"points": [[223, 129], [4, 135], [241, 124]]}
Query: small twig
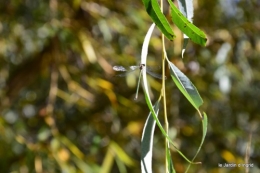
{"points": [[164, 97]]}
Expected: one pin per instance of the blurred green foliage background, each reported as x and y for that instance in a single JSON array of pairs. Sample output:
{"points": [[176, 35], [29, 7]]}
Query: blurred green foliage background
{"points": [[63, 110]]}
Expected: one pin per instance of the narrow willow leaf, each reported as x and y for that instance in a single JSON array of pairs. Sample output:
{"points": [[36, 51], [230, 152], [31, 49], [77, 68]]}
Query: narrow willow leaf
{"points": [[146, 44], [147, 141], [147, 137], [185, 86], [169, 161], [153, 9], [194, 33], [204, 132], [149, 104], [146, 92], [186, 8]]}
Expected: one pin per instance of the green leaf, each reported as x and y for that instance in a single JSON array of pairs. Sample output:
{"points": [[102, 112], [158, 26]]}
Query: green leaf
{"points": [[204, 132], [146, 44], [185, 86], [153, 9], [186, 8], [146, 92], [149, 104], [147, 141], [169, 161], [194, 33]]}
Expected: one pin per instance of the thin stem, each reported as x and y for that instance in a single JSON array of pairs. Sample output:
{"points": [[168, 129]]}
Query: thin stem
{"points": [[164, 97]]}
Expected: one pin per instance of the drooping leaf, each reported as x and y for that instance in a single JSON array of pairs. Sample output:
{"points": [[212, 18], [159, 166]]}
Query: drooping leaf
{"points": [[149, 104], [186, 8], [169, 161], [185, 86], [147, 141], [146, 44], [193, 32], [153, 9], [204, 132], [146, 92]]}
